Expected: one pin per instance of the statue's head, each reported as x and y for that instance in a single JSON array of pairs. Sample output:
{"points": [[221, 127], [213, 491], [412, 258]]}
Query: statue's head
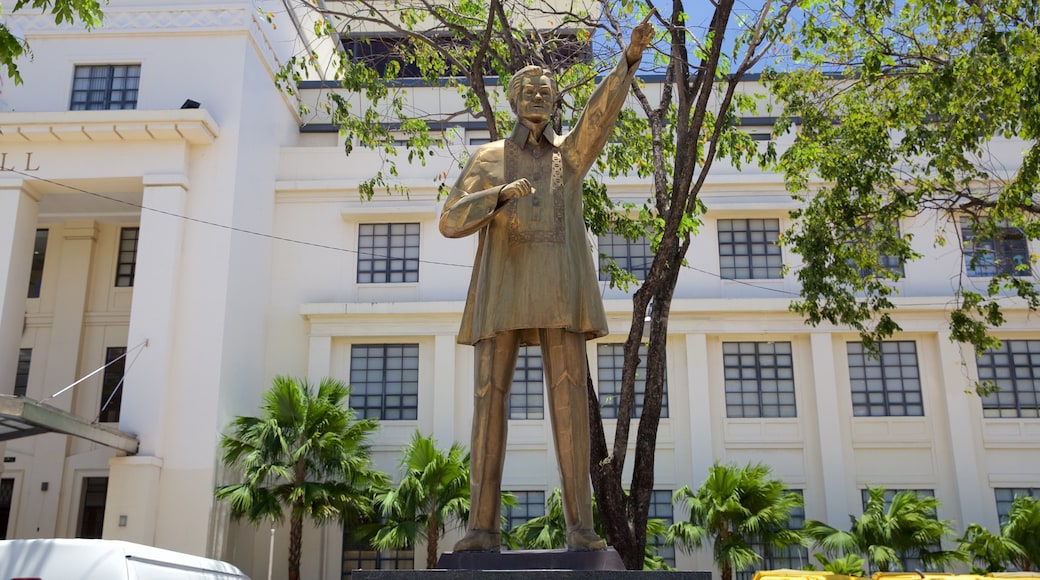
{"points": [[522, 77]]}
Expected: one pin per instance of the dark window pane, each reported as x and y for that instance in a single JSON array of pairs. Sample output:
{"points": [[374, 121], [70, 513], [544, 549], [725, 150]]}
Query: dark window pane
{"points": [[886, 386], [749, 249]]}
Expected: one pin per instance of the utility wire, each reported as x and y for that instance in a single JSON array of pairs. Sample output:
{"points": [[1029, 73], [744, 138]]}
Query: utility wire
{"points": [[349, 250]]}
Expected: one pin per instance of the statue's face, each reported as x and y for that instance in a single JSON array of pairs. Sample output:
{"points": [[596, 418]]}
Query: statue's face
{"points": [[535, 103]]}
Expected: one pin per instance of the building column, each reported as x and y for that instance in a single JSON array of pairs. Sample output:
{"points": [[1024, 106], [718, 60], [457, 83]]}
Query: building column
{"points": [[828, 418], [319, 358], [443, 398], [964, 428], [18, 217], [148, 381], [62, 369], [702, 452]]}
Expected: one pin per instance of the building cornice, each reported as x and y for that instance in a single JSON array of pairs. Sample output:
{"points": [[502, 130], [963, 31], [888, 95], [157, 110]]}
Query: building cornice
{"points": [[193, 126]]}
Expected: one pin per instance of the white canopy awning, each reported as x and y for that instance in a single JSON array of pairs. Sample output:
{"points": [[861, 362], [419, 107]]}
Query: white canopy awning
{"points": [[22, 417]]}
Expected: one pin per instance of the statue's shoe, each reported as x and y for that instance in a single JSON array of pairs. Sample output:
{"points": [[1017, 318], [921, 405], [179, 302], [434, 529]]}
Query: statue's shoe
{"points": [[584, 541], [478, 541]]}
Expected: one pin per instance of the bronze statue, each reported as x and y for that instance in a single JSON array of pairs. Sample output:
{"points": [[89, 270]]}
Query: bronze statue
{"points": [[534, 283]]}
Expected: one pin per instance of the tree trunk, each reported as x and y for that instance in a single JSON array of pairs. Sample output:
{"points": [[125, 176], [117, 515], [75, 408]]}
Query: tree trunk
{"points": [[295, 544], [606, 483], [433, 529]]}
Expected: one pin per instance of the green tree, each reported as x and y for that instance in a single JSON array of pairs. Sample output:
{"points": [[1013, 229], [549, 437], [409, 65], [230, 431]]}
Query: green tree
{"points": [[1023, 526], [735, 508], [549, 532], [673, 137], [892, 125], [887, 536], [434, 490], [305, 454], [1017, 544], [87, 12], [847, 565]]}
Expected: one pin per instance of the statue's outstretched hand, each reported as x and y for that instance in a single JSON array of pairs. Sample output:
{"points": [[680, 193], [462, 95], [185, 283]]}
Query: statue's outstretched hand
{"points": [[642, 36]]}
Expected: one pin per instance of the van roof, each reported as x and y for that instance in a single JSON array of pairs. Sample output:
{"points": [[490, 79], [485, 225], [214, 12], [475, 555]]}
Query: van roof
{"points": [[20, 557]]}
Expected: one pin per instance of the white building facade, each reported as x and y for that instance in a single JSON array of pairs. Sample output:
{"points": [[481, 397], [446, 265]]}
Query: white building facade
{"points": [[218, 246]]}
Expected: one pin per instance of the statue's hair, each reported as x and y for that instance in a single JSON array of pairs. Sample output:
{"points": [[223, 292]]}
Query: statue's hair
{"points": [[516, 83]]}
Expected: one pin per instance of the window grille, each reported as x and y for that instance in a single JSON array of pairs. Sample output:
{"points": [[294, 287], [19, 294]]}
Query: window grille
{"points": [[111, 384], [1006, 252], [36, 270], [126, 266], [1014, 369], [21, 375], [388, 253], [748, 249], [759, 379], [529, 505], [633, 256], [610, 359], [106, 86], [384, 381], [527, 395], [889, 386]]}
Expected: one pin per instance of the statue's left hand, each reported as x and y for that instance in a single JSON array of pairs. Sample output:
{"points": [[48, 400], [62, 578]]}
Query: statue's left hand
{"points": [[642, 36]]}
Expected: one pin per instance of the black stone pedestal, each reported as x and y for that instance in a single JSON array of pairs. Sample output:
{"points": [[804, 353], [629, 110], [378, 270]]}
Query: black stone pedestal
{"points": [[532, 560], [528, 565]]}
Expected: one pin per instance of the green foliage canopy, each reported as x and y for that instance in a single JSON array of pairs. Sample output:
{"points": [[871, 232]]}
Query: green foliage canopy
{"points": [[889, 532], [925, 109]]}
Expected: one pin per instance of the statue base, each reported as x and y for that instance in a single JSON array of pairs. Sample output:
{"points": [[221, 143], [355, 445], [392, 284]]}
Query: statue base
{"points": [[532, 560], [528, 565]]}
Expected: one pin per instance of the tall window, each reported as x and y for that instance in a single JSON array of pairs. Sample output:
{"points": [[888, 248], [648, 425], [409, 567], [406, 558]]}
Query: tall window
{"points": [[748, 249], [610, 358], [529, 505], [633, 256], [36, 271], [21, 374], [388, 253], [112, 383], [105, 86], [363, 556], [1005, 252], [888, 386], [126, 264], [1005, 496], [759, 379], [774, 558], [661, 509], [384, 379], [92, 507], [6, 499], [1014, 369], [527, 395]]}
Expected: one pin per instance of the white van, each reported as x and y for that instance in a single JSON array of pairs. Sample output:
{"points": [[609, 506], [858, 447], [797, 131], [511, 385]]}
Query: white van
{"points": [[72, 559]]}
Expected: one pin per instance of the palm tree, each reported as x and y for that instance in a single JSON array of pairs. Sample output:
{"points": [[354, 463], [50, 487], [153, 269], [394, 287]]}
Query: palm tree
{"points": [[735, 508], [1023, 526], [888, 536], [549, 531], [305, 454], [434, 489], [1017, 544]]}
